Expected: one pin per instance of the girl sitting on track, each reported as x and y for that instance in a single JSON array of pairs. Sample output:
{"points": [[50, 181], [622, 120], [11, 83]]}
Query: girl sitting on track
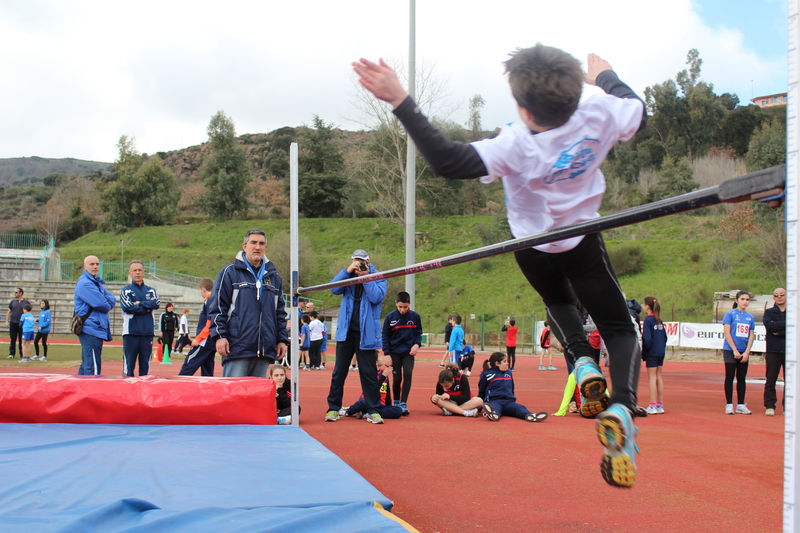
{"points": [[283, 393], [496, 389], [453, 395]]}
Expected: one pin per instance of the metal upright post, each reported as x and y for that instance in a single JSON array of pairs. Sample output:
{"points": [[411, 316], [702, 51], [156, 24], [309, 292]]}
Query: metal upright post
{"points": [[294, 239], [411, 162]]}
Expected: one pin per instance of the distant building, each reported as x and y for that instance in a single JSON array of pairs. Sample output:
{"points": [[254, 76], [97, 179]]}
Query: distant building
{"points": [[770, 100]]}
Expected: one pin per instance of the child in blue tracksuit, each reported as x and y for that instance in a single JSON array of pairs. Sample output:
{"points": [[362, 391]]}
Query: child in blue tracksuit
{"points": [[496, 389], [44, 322], [654, 344], [385, 408], [27, 324]]}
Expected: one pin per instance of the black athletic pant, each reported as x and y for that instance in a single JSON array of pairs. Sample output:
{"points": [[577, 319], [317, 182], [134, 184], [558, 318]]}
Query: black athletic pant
{"points": [[736, 369], [511, 353], [775, 361], [368, 374], [167, 338], [585, 273], [467, 362], [43, 337], [314, 355], [402, 370], [15, 330], [182, 341]]}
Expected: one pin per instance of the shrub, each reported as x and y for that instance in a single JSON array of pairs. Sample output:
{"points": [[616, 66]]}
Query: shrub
{"points": [[626, 259]]}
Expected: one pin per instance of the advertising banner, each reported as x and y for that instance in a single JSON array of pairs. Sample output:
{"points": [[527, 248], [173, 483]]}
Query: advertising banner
{"points": [[695, 335]]}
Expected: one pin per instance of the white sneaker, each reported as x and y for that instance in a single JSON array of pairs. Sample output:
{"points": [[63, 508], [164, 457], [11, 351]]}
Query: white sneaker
{"points": [[285, 420], [660, 409], [742, 409], [468, 373], [343, 411], [770, 412], [445, 412], [729, 409], [652, 410], [470, 412]]}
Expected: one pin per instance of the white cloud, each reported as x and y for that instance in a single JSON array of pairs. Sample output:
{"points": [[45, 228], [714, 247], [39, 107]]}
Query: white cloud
{"points": [[78, 74]]}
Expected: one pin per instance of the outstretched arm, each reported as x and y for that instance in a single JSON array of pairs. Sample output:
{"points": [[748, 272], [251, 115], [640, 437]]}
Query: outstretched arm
{"points": [[600, 73], [381, 80]]}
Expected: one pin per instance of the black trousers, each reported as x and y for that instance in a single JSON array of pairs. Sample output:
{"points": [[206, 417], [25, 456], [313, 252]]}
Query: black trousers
{"points": [[775, 361], [43, 337], [15, 330], [585, 273], [402, 371], [368, 373]]}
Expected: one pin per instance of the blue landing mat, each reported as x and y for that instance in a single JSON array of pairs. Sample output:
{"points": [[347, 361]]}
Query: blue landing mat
{"points": [[103, 478]]}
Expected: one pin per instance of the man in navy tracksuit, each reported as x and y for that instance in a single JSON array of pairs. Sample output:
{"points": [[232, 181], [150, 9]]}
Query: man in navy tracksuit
{"points": [[401, 338], [247, 311], [138, 301]]}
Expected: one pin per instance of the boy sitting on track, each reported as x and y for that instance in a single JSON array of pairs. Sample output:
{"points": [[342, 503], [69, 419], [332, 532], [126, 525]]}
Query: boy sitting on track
{"points": [[550, 166]]}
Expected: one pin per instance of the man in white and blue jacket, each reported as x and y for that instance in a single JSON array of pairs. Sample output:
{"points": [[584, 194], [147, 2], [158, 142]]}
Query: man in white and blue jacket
{"points": [[358, 332], [92, 298], [248, 312], [138, 301]]}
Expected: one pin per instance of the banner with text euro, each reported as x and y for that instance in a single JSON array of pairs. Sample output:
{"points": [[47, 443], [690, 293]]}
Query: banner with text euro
{"points": [[696, 335]]}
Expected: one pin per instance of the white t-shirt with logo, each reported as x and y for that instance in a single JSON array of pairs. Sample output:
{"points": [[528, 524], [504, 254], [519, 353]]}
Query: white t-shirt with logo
{"points": [[552, 179], [315, 330]]}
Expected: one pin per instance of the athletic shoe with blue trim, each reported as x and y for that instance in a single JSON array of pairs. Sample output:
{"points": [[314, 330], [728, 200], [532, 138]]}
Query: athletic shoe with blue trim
{"points": [[592, 386], [617, 433]]}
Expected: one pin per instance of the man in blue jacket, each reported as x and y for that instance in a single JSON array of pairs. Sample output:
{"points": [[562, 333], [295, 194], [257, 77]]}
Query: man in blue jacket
{"points": [[358, 331], [92, 298], [247, 311], [138, 301]]}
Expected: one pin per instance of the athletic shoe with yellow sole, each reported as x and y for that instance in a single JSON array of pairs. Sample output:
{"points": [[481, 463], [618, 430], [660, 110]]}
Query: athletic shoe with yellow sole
{"points": [[591, 408], [617, 433], [592, 386]]}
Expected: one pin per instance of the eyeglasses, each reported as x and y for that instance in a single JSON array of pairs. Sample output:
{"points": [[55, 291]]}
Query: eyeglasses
{"points": [[779, 295]]}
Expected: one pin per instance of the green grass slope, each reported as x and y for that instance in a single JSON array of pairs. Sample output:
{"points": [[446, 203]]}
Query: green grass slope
{"points": [[682, 261]]}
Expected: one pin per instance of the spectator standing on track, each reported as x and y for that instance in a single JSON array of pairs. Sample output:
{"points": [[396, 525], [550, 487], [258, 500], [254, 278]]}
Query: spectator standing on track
{"points": [[305, 342], [203, 351], [453, 395], [448, 330], [12, 321], [456, 339], [739, 332], [138, 301], [358, 333], [27, 325], [654, 345], [401, 338], [247, 311], [315, 332], [44, 323], [183, 329], [511, 329], [93, 302], [167, 324], [775, 323], [544, 345], [550, 167]]}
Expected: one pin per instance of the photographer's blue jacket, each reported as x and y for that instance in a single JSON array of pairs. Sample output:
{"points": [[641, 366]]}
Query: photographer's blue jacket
{"points": [[371, 301], [249, 313], [137, 319]]}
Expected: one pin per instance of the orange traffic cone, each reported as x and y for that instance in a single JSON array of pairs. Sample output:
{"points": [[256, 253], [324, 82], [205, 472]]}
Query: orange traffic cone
{"points": [[158, 354]]}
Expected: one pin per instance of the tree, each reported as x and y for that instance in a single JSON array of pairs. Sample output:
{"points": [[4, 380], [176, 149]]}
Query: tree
{"points": [[225, 172], [144, 194], [767, 146], [676, 177], [381, 165], [476, 103], [321, 173]]}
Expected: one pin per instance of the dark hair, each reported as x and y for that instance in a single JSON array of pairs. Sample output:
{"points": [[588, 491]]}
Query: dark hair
{"points": [[739, 295], [312, 314], [169, 304], [46, 304], [546, 324], [27, 307], [254, 232], [20, 290], [495, 359], [448, 375], [547, 82], [207, 284], [654, 306], [305, 319], [403, 297], [321, 318], [457, 319], [512, 322]]}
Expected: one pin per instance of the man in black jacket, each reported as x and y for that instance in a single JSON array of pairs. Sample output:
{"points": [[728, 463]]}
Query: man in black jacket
{"points": [[775, 322]]}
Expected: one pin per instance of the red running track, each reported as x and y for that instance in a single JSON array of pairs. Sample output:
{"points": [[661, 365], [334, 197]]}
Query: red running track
{"points": [[699, 471]]}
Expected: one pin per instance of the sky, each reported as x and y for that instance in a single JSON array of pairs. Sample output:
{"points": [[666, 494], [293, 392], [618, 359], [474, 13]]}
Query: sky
{"points": [[75, 75]]}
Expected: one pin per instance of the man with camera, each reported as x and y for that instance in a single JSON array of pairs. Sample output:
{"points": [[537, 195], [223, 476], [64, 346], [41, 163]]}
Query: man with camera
{"points": [[358, 332]]}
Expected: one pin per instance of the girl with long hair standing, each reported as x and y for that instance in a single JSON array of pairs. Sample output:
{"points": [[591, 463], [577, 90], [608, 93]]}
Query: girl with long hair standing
{"points": [[738, 329], [654, 342]]}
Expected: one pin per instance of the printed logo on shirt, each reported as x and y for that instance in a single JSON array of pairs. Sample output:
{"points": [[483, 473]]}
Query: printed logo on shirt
{"points": [[573, 161]]}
